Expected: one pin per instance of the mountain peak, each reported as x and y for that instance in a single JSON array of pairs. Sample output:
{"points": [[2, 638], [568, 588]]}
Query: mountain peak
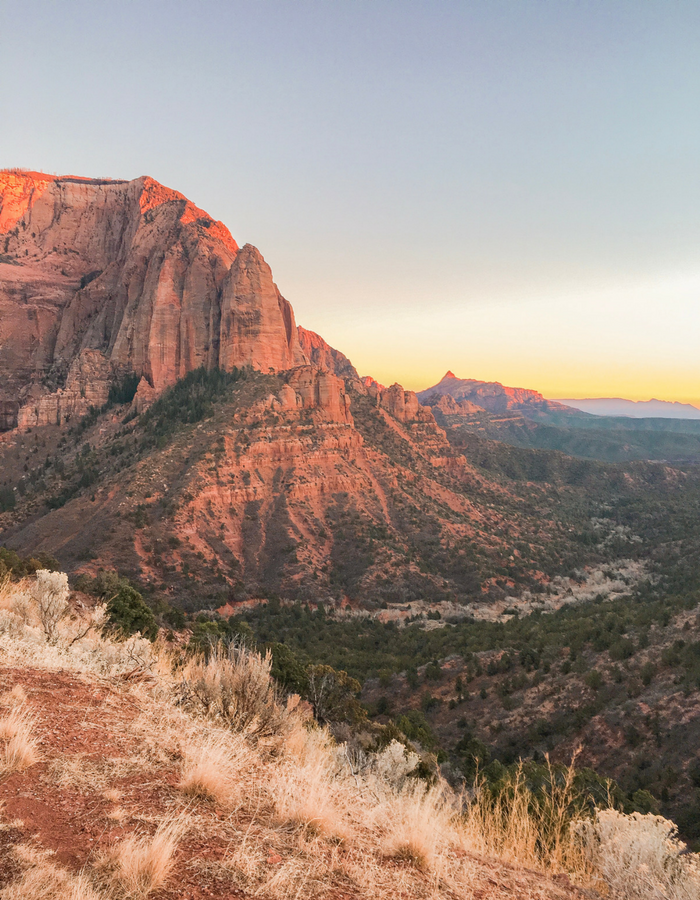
{"points": [[448, 375]]}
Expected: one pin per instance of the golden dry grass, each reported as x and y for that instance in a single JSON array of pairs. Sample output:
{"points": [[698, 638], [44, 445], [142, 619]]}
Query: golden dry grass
{"points": [[510, 826], [307, 794], [48, 882], [215, 769], [142, 864], [19, 746], [417, 820]]}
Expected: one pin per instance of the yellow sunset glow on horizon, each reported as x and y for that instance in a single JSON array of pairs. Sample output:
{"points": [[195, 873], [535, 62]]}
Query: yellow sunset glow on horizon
{"points": [[636, 340]]}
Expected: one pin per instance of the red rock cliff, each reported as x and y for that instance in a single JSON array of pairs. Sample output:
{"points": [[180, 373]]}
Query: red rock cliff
{"points": [[134, 271], [321, 354]]}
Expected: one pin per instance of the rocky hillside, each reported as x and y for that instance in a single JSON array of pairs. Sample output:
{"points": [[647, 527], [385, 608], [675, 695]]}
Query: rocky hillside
{"points": [[299, 484], [99, 278]]}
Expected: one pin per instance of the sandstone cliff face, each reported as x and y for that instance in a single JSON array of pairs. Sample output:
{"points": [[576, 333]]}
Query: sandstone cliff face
{"points": [[316, 389], [257, 323], [321, 354], [134, 271]]}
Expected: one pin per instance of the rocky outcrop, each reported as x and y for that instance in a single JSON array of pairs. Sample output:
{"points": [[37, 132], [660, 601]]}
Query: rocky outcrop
{"points": [[257, 323], [134, 271], [144, 396], [87, 385], [321, 390], [308, 388], [320, 353], [402, 405], [489, 395], [448, 406]]}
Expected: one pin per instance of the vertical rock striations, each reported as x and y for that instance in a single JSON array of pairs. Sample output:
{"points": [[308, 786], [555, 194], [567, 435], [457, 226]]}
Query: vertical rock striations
{"points": [[257, 323], [131, 271]]}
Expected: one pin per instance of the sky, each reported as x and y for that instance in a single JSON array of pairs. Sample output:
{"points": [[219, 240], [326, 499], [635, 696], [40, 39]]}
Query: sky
{"points": [[506, 188]]}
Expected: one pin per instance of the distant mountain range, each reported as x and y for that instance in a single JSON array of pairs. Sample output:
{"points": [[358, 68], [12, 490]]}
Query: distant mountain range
{"points": [[636, 409], [489, 395]]}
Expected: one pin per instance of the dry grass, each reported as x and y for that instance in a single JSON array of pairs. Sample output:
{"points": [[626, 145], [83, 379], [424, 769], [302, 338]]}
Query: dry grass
{"points": [[88, 775], [215, 769], [142, 864], [19, 746], [16, 697], [419, 821], [512, 826], [47, 882], [308, 793]]}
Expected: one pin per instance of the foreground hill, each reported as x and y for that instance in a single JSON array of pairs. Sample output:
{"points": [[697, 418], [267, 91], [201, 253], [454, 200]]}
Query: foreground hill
{"points": [[132, 770]]}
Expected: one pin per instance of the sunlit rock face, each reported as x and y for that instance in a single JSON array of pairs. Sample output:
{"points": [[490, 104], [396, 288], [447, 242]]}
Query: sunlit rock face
{"points": [[133, 271], [323, 356], [257, 323]]}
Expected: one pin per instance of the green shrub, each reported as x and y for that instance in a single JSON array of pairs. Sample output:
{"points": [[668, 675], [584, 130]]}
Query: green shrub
{"points": [[129, 614], [414, 725], [288, 671], [124, 390], [17, 566], [7, 499]]}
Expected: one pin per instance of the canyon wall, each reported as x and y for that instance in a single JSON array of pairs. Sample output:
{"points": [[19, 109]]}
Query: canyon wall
{"points": [[130, 270]]}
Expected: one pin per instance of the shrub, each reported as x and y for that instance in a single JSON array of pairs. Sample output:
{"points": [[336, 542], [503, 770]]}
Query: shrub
{"points": [[333, 695], [594, 680], [13, 564], [639, 857], [50, 592], [128, 613], [288, 671], [234, 686], [414, 725], [433, 672], [7, 499]]}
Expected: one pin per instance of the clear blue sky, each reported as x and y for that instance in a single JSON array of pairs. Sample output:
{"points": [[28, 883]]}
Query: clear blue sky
{"points": [[507, 189]]}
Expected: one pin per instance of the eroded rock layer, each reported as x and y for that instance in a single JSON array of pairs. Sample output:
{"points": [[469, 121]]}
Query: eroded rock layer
{"points": [[134, 272]]}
